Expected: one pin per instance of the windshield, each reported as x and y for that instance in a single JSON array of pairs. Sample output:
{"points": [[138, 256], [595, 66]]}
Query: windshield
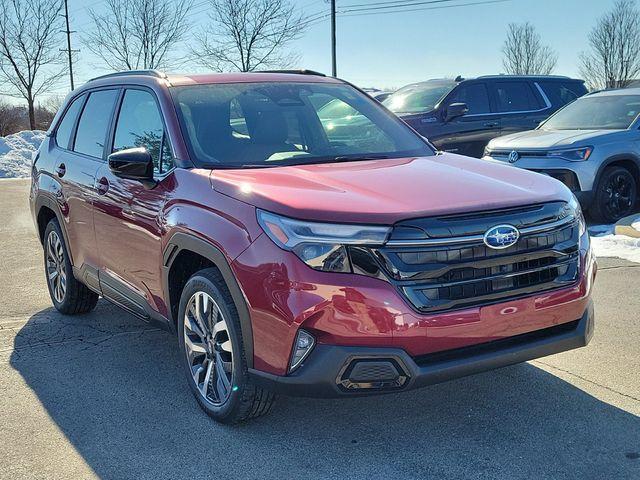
{"points": [[270, 124], [610, 112], [418, 98]]}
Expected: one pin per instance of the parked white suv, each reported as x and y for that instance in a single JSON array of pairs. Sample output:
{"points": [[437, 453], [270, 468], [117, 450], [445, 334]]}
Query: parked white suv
{"points": [[592, 145]]}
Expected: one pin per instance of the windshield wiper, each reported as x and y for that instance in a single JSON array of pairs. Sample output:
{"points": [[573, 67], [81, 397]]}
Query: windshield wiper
{"points": [[227, 166], [356, 158]]}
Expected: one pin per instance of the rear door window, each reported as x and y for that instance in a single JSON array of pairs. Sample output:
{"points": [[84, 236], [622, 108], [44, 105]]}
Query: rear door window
{"points": [[475, 95], [514, 96], [94, 123], [560, 93], [65, 127], [140, 125]]}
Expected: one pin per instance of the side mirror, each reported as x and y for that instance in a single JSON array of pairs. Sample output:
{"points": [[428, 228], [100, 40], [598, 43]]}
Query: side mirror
{"points": [[132, 163], [456, 110]]}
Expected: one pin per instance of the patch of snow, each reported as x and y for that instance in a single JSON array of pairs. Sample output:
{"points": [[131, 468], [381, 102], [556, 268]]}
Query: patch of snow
{"points": [[606, 244], [15, 153], [619, 246]]}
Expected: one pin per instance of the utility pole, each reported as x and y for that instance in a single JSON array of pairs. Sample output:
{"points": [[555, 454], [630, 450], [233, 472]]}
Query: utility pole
{"points": [[68, 49], [333, 38]]}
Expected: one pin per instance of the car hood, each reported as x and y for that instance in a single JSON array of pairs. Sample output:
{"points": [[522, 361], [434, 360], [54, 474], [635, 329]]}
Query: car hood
{"points": [[386, 191], [550, 138]]}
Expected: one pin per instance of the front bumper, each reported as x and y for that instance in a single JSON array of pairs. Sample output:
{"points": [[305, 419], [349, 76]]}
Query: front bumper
{"points": [[337, 371], [579, 177]]}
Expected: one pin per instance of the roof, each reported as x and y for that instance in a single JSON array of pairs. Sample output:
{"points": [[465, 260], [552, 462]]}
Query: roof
{"points": [[616, 91], [149, 76]]}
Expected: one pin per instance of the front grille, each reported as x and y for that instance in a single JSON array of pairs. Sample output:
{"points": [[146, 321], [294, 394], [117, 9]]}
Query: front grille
{"points": [[443, 273], [504, 154]]}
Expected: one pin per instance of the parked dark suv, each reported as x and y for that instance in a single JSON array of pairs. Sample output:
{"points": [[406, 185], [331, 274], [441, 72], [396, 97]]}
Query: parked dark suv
{"points": [[462, 115], [289, 255]]}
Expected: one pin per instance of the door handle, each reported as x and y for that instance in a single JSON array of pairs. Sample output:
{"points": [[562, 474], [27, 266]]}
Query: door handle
{"points": [[102, 186], [61, 170], [491, 124]]}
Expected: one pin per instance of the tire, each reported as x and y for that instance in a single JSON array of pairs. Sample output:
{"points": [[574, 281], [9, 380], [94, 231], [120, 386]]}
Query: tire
{"points": [[615, 195], [68, 295], [226, 394]]}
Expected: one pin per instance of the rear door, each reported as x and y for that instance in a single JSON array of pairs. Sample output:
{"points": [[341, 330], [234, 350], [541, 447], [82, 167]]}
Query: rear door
{"points": [[128, 214], [519, 105], [81, 144], [468, 134]]}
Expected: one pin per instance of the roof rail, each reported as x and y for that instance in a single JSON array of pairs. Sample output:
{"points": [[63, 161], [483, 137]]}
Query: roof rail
{"points": [[508, 75], [151, 73], [295, 72]]}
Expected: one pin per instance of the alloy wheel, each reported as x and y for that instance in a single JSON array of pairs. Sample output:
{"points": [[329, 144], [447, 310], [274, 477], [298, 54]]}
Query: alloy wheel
{"points": [[208, 348], [56, 268], [619, 193]]}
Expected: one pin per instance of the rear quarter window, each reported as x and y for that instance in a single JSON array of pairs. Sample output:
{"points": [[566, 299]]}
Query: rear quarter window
{"points": [[65, 127], [561, 93]]}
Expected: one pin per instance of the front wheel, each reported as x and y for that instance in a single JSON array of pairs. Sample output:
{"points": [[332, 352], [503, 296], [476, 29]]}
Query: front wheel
{"points": [[210, 339], [615, 195]]}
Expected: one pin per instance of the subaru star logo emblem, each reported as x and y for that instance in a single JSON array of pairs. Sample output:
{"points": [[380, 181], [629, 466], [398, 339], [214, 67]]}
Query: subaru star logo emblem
{"points": [[501, 236], [513, 156]]}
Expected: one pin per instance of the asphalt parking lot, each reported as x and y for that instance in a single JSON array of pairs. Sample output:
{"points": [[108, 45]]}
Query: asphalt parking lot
{"points": [[102, 395]]}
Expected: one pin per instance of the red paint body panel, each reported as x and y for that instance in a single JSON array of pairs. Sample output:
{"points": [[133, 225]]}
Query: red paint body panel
{"points": [[386, 191]]}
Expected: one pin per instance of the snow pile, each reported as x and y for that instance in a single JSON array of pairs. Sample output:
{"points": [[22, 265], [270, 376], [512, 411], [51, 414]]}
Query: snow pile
{"points": [[15, 153], [606, 244]]}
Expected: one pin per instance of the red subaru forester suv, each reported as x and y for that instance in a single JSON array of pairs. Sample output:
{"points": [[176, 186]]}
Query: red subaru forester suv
{"points": [[298, 238]]}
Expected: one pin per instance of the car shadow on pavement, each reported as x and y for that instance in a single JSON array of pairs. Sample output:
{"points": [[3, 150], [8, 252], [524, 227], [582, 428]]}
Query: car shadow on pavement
{"points": [[115, 388]]}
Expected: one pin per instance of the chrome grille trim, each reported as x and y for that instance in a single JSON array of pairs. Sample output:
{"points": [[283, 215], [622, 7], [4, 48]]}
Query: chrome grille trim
{"points": [[476, 238]]}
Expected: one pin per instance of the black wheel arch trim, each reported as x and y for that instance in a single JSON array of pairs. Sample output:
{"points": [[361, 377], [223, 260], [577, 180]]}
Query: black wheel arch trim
{"points": [[619, 157], [182, 241], [43, 200]]}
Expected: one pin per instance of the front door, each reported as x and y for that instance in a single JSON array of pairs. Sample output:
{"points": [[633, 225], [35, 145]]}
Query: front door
{"points": [[128, 214], [470, 133]]}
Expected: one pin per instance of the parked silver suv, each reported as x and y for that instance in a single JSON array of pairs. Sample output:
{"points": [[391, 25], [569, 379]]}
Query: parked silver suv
{"points": [[592, 145]]}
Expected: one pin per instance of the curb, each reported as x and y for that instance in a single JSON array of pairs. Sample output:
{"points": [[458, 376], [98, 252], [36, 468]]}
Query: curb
{"points": [[623, 227]]}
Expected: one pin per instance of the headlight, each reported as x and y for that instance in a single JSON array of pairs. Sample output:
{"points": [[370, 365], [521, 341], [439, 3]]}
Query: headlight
{"points": [[573, 208], [573, 155], [322, 246]]}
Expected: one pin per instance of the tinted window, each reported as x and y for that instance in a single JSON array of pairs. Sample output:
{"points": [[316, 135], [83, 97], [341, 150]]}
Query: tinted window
{"points": [[607, 112], [140, 125], [259, 124], [474, 95], [94, 122], [514, 97], [419, 97], [561, 93], [65, 127]]}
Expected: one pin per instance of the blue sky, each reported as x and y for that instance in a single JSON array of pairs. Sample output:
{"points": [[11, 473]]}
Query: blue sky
{"points": [[391, 50]]}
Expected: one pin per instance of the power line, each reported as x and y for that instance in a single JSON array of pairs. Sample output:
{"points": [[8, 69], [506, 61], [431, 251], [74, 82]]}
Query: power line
{"points": [[363, 12], [395, 4]]}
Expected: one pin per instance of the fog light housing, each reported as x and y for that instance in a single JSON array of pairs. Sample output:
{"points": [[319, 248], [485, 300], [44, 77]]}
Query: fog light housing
{"points": [[301, 349]]}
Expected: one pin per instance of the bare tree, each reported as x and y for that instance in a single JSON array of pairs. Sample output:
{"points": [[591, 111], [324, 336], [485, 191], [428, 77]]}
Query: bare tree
{"points": [[138, 34], [524, 54], [249, 35], [10, 118], [614, 58], [29, 56]]}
